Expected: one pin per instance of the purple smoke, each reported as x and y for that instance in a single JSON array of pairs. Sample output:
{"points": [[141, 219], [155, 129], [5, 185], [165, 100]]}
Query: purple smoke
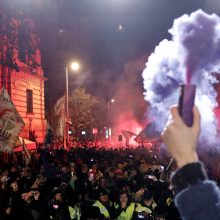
{"points": [[193, 50]]}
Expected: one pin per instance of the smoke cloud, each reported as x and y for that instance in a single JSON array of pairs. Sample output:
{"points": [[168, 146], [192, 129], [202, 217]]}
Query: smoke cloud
{"points": [[127, 113], [192, 56]]}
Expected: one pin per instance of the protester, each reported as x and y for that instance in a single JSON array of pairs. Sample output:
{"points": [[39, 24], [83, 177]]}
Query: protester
{"points": [[138, 192], [12, 205], [102, 208], [58, 207], [86, 182], [197, 197], [147, 205], [125, 207]]}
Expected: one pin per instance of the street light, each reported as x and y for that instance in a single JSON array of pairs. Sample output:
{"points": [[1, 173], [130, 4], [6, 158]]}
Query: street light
{"points": [[108, 117], [75, 66], [110, 101]]}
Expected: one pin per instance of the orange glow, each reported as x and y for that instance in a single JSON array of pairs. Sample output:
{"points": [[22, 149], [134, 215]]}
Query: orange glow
{"points": [[127, 122]]}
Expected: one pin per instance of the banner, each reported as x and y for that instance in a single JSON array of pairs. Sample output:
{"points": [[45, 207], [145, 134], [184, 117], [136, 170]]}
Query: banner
{"points": [[11, 122], [148, 135], [59, 110], [128, 134]]}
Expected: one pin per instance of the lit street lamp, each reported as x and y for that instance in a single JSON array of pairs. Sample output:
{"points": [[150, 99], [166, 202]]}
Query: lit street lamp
{"points": [[110, 101], [108, 117], [75, 66]]}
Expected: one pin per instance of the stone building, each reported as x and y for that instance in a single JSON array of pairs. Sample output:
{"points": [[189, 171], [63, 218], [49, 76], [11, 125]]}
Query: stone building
{"points": [[21, 72]]}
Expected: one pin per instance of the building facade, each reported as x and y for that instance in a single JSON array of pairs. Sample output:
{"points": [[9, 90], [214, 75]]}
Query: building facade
{"points": [[21, 72]]}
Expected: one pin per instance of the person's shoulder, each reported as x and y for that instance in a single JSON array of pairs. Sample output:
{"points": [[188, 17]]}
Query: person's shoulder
{"points": [[205, 192], [199, 201]]}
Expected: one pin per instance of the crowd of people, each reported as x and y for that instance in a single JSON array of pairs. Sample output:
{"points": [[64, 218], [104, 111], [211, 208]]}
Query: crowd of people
{"points": [[87, 183], [96, 184]]}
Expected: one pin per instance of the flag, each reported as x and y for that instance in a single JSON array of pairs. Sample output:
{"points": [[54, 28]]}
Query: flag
{"points": [[11, 122], [59, 110], [148, 135], [128, 135], [25, 150]]}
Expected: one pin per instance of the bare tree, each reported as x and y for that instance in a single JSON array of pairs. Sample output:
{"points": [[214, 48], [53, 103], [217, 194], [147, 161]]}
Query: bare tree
{"points": [[86, 111]]}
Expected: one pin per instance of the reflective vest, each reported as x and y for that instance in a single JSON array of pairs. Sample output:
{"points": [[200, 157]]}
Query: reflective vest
{"points": [[128, 213], [141, 208], [154, 205], [74, 212], [169, 201], [102, 209]]}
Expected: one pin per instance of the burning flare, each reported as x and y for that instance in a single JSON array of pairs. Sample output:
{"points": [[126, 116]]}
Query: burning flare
{"points": [[190, 57]]}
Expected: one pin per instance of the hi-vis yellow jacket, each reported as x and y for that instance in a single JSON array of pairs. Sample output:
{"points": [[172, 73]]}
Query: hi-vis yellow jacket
{"points": [[102, 209], [128, 213]]}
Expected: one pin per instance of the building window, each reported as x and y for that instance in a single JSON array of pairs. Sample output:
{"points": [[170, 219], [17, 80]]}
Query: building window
{"points": [[29, 101]]}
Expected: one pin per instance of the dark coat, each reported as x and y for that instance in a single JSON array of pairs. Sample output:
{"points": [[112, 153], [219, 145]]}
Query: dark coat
{"points": [[199, 202], [59, 210]]}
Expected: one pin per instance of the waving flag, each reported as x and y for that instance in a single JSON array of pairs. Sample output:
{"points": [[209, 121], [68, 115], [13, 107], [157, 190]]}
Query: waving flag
{"points": [[128, 135], [148, 135], [59, 110], [11, 122]]}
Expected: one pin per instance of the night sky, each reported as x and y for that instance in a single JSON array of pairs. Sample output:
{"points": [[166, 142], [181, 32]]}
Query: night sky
{"points": [[109, 52], [145, 23]]}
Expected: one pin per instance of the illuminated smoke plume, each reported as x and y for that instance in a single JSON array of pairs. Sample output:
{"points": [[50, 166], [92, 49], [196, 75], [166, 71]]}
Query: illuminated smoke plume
{"points": [[127, 113], [128, 122], [191, 56]]}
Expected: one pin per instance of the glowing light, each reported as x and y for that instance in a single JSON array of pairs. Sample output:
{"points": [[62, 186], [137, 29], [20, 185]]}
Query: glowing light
{"points": [[128, 122], [75, 66], [164, 71], [120, 27], [106, 133], [110, 132]]}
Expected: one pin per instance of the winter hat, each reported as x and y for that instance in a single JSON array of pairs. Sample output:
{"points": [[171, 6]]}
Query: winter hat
{"points": [[147, 195], [102, 192]]}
